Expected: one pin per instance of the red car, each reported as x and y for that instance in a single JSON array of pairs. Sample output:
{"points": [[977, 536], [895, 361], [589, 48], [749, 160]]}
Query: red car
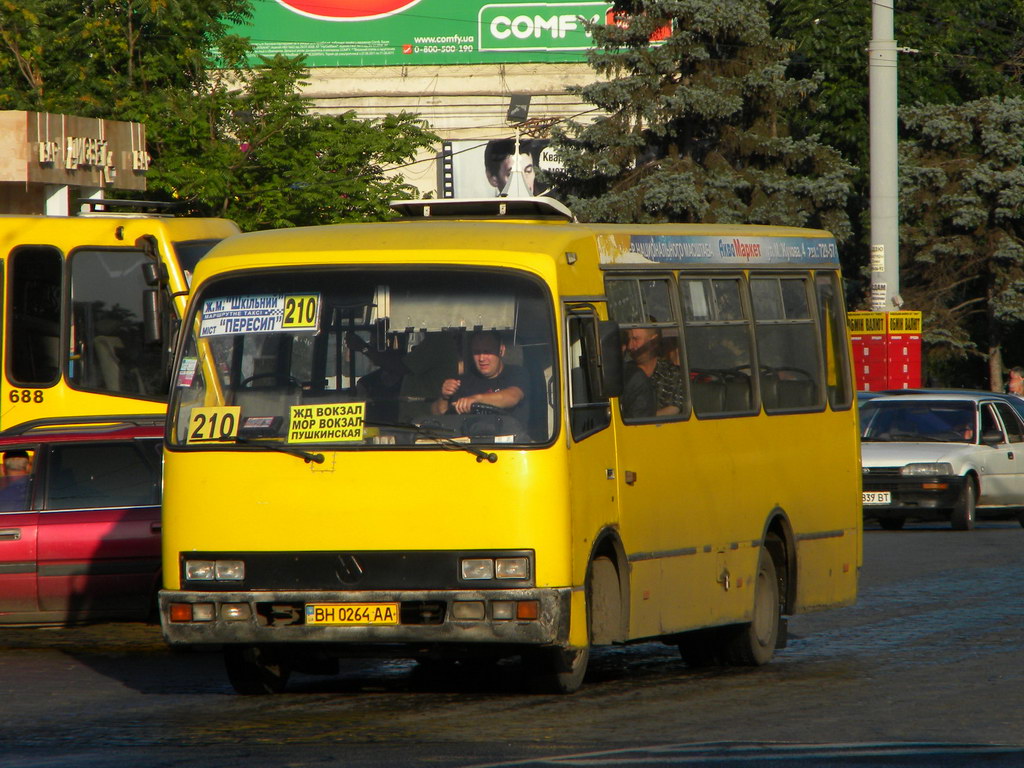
{"points": [[80, 522]]}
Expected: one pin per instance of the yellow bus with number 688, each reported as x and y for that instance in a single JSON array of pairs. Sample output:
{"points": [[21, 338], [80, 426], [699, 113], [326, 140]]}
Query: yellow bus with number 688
{"points": [[91, 309], [487, 431]]}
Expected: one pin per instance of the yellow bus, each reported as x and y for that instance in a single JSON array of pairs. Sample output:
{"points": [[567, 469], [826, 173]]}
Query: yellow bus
{"points": [[487, 431], [91, 309]]}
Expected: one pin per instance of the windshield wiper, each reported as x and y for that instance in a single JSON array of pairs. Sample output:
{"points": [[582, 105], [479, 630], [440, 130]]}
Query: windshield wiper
{"points": [[435, 433], [315, 458]]}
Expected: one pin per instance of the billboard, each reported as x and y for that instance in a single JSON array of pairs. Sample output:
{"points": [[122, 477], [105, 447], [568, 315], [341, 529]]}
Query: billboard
{"points": [[354, 33], [486, 167]]}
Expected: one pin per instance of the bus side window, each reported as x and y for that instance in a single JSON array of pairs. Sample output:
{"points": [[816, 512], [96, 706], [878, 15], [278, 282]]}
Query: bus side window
{"points": [[716, 325], [787, 345], [833, 340], [654, 387], [588, 413], [33, 335]]}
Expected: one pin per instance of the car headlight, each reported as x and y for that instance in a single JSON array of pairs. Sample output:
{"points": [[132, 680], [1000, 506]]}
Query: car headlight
{"points": [[928, 468]]}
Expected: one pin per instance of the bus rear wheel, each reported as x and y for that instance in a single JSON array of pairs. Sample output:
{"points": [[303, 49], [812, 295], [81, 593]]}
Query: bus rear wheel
{"points": [[255, 669], [753, 644]]}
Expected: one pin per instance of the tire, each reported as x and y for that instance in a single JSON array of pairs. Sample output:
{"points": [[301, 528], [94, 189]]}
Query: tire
{"points": [[255, 670], [701, 648], [891, 523], [562, 670], [753, 644], [962, 517], [556, 670], [605, 606]]}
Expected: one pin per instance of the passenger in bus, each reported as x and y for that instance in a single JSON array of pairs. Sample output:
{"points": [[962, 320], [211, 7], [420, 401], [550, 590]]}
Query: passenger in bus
{"points": [[491, 382], [665, 379], [17, 473], [380, 387]]}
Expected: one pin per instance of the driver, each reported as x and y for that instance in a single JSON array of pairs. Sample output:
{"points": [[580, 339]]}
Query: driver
{"points": [[491, 382]]}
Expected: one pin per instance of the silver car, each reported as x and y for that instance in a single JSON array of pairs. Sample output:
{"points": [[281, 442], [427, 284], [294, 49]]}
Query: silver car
{"points": [[942, 456]]}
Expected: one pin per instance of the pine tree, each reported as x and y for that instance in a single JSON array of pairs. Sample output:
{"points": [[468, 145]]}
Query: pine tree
{"points": [[962, 229], [693, 128]]}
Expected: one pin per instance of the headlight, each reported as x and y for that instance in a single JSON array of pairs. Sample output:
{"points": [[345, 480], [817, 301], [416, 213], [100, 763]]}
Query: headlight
{"points": [[933, 468], [199, 570], [215, 570], [512, 568], [230, 570], [478, 568]]}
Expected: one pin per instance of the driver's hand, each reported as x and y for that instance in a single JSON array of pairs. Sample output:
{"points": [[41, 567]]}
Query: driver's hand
{"points": [[464, 404], [450, 387]]}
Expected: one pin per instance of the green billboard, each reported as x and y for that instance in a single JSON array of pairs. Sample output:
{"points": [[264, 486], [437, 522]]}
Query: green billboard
{"points": [[354, 33]]}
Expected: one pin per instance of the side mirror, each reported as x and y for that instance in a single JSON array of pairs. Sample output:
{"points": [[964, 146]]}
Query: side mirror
{"points": [[992, 437], [609, 362], [152, 332]]}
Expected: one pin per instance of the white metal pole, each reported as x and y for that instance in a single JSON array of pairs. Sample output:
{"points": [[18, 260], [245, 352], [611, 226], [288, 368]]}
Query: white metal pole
{"points": [[885, 242]]}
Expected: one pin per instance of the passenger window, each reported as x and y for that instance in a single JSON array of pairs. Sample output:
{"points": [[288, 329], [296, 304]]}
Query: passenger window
{"points": [[33, 334], [91, 476], [17, 473], [588, 413], [654, 386], [1014, 428], [716, 326], [110, 352], [833, 342], [787, 345]]}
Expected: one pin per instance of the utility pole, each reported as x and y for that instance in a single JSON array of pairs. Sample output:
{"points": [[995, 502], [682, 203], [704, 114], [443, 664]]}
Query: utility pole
{"points": [[885, 232]]}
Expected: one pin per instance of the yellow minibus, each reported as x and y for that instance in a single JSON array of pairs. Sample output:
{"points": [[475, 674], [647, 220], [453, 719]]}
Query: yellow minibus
{"points": [[92, 306], [486, 431]]}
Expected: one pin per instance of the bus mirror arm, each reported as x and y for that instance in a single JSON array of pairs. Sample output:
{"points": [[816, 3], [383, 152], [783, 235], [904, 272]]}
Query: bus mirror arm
{"points": [[609, 363]]}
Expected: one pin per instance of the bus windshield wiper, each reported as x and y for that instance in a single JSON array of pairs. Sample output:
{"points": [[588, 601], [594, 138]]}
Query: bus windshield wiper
{"points": [[315, 458], [436, 433]]}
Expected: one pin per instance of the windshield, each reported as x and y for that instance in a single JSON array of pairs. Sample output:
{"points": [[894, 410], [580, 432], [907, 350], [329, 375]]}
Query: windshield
{"points": [[918, 421], [342, 359]]}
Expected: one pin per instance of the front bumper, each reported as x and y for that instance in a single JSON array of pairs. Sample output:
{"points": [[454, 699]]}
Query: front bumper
{"points": [[922, 496], [425, 618]]}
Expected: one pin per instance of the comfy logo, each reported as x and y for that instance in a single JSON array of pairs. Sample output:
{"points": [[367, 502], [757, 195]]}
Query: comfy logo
{"points": [[347, 10]]}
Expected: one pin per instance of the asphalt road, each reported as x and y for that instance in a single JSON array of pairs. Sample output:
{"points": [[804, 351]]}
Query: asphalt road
{"points": [[926, 670]]}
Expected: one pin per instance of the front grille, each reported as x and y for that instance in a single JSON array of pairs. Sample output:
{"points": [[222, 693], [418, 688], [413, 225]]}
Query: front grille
{"points": [[883, 471]]}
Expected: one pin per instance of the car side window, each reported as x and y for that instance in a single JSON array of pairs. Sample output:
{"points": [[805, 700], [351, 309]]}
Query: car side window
{"points": [[1014, 428], [92, 476]]}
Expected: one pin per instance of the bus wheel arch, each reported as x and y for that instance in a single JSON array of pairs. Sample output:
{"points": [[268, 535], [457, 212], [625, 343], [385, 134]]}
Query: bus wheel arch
{"points": [[780, 542]]}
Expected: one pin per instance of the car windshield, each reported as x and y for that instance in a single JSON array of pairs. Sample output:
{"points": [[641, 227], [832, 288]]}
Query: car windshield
{"points": [[911, 421], [345, 359]]}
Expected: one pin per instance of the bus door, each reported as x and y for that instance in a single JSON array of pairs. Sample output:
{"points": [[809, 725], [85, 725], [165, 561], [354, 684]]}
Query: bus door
{"points": [[670, 488], [592, 460]]}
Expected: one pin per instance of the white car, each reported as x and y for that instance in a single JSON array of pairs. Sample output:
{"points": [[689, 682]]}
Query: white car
{"points": [[942, 456]]}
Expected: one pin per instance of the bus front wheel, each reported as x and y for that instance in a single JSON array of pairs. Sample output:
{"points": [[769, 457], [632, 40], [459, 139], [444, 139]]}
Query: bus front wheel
{"points": [[255, 669], [753, 644], [556, 670]]}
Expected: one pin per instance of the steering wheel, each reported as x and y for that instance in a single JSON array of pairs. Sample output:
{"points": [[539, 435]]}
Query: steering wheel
{"points": [[483, 409], [290, 380]]}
